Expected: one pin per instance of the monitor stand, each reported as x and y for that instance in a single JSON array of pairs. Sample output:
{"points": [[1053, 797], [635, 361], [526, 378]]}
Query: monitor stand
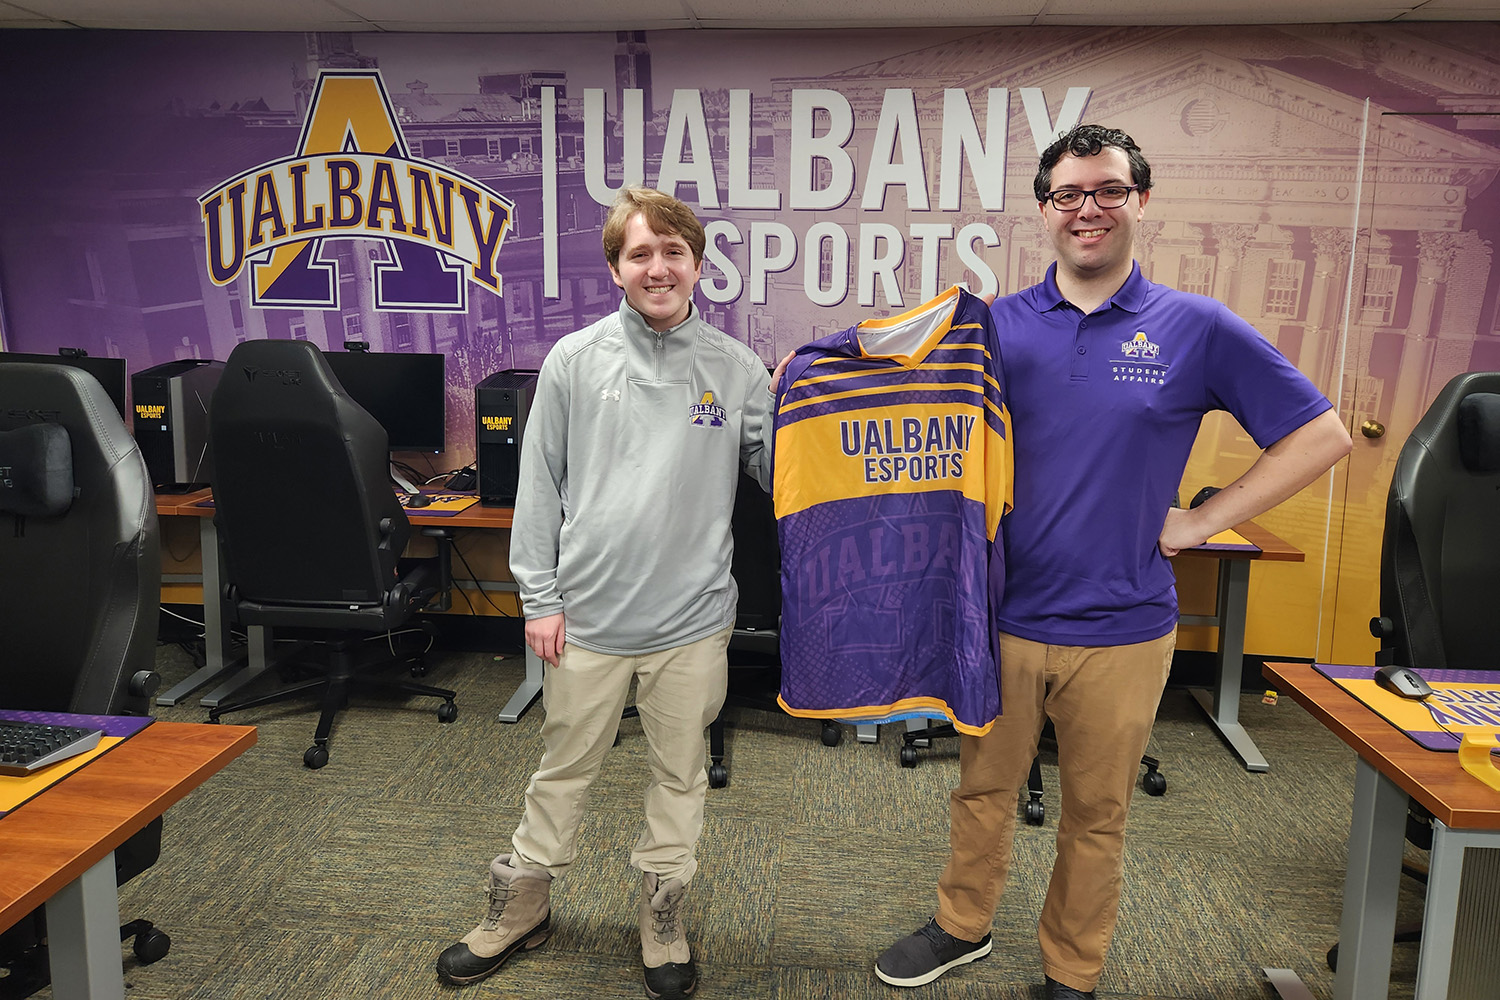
{"points": [[402, 482]]}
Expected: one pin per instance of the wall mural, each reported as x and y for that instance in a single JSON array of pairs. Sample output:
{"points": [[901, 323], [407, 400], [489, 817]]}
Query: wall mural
{"points": [[167, 195]]}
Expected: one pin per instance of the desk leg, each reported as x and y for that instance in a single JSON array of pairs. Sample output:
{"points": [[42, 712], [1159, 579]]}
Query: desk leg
{"points": [[258, 641], [1371, 884], [83, 931], [1224, 709], [527, 692], [214, 636], [1458, 947]]}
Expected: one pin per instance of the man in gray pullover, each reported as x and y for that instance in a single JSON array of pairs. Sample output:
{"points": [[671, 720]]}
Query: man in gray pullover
{"points": [[621, 548]]}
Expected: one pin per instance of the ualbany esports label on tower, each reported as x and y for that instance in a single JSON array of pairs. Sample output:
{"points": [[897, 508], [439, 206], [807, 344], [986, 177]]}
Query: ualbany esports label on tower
{"points": [[353, 177]]}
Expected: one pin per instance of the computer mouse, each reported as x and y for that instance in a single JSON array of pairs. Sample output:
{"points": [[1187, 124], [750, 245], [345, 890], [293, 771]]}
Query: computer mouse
{"points": [[1403, 681], [418, 500]]}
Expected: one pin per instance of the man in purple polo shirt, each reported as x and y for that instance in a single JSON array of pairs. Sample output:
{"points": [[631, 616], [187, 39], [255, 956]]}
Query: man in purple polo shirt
{"points": [[1108, 376]]}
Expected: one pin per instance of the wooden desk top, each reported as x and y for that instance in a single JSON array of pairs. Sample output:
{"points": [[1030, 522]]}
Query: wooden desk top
{"points": [[1432, 777], [474, 516], [1272, 547], [55, 837], [183, 503]]}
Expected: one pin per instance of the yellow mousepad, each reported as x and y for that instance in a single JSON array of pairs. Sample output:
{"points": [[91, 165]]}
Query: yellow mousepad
{"points": [[16, 789], [1462, 701], [441, 504]]}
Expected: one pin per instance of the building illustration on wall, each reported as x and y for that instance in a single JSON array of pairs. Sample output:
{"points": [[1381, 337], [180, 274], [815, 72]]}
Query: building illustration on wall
{"points": [[1333, 184]]}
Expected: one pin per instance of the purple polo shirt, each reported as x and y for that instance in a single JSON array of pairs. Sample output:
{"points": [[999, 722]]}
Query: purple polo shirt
{"points": [[1104, 410]]}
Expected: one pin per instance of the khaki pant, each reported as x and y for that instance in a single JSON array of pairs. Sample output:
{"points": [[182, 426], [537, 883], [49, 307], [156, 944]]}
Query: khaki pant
{"points": [[1102, 702], [678, 693]]}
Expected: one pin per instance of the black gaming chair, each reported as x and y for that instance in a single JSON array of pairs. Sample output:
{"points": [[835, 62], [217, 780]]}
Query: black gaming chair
{"points": [[284, 433], [1440, 556], [755, 646], [1440, 553], [80, 585]]}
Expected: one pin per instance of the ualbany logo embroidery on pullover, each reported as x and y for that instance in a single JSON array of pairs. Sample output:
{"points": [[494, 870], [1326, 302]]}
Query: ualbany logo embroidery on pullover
{"points": [[707, 413]]}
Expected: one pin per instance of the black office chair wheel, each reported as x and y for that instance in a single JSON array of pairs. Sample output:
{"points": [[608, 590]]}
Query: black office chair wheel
{"points": [[316, 756], [1035, 812], [718, 776], [1333, 959], [447, 712], [833, 734], [908, 756], [1153, 781], [151, 943]]}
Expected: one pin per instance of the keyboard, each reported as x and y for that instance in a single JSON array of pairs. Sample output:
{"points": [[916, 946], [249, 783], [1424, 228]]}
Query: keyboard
{"points": [[26, 747]]}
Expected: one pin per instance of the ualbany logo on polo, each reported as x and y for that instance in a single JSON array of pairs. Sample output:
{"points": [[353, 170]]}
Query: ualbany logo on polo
{"points": [[1139, 347], [353, 177], [707, 413]]}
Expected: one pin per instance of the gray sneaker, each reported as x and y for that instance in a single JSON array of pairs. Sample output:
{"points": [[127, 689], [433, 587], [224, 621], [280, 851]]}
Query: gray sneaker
{"points": [[1057, 991], [919, 958]]}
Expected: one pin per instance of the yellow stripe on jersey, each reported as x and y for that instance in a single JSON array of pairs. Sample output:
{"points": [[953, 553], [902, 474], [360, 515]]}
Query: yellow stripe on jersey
{"points": [[922, 703], [876, 390], [902, 448]]}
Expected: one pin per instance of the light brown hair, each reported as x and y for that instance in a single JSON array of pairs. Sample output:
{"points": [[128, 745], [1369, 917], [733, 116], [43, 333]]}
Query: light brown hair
{"points": [[664, 215]]}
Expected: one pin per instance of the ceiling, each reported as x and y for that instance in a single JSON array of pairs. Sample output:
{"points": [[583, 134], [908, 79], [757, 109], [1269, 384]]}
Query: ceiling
{"points": [[609, 15]]}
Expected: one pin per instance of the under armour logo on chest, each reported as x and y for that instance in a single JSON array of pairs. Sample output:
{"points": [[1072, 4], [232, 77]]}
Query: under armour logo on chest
{"points": [[610, 394]]}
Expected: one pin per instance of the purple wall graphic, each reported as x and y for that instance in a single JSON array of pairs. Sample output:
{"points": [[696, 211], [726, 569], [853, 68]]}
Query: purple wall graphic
{"points": [[1332, 183]]}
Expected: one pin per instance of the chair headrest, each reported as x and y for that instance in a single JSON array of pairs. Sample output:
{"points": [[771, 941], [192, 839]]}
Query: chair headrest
{"points": [[1479, 432], [36, 470]]}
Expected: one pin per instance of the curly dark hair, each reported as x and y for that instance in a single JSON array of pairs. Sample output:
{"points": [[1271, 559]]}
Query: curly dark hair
{"points": [[1090, 140]]}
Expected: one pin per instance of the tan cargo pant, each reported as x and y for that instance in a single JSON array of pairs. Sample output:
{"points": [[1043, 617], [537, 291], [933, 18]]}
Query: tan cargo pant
{"points": [[678, 693], [1102, 702]]}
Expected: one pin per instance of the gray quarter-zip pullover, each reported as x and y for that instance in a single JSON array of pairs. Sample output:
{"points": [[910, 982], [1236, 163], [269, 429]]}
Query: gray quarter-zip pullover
{"points": [[628, 474]]}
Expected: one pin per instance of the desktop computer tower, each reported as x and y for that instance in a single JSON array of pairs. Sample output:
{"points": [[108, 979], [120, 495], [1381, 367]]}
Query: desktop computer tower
{"points": [[171, 403], [502, 402]]}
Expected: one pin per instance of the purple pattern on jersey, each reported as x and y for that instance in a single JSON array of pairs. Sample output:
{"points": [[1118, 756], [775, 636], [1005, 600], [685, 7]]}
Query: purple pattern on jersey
{"points": [[887, 598]]}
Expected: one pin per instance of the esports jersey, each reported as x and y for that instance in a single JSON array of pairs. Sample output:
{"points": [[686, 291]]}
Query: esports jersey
{"points": [[892, 468]]}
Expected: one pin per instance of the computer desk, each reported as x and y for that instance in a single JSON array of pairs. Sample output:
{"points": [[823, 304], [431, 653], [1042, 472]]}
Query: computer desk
{"points": [[1458, 931], [235, 674], [59, 846], [1232, 600], [1222, 701]]}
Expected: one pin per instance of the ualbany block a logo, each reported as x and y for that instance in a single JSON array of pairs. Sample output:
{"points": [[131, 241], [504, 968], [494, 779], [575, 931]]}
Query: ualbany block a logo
{"points": [[707, 413], [353, 177]]}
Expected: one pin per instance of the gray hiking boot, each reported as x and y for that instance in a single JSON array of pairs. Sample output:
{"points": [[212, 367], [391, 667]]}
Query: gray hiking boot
{"points": [[670, 973], [519, 917]]}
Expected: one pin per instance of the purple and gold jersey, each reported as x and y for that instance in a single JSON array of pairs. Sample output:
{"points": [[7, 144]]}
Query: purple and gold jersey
{"points": [[892, 468]]}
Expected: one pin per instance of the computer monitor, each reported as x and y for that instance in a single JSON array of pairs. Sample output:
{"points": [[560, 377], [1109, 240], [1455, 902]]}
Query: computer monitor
{"points": [[109, 371], [406, 393]]}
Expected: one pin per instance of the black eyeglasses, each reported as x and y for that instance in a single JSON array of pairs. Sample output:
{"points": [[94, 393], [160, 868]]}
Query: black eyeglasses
{"points": [[1071, 200]]}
